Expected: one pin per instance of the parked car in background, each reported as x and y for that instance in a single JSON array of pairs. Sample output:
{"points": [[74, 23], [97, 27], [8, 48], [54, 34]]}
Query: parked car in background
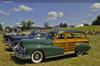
{"points": [[12, 40], [63, 43], [17, 41], [6, 35]]}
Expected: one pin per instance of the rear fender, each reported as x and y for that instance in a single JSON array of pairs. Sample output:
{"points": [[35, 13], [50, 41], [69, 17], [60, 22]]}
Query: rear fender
{"points": [[82, 47]]}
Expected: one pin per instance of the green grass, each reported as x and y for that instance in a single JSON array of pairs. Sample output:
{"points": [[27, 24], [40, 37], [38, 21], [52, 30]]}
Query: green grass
{"points": [[7, 58], [86, 28]]}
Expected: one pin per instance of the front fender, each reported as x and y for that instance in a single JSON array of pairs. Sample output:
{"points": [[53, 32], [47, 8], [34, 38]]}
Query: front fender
{"points": [[48, 50]]}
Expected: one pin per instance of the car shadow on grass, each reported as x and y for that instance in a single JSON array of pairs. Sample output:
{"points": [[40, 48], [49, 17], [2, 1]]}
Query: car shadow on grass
{"points": [[59, 58], [4, 41], [19, 61], [23, 62], [62, 57], [9, 49]]}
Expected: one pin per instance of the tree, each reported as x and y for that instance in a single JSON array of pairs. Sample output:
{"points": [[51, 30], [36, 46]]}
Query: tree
{"points": [[1, 27], [23, 23], [26, 24], [63, 25], [85, 24], [46, 25], [29, 24], [96, 21]]}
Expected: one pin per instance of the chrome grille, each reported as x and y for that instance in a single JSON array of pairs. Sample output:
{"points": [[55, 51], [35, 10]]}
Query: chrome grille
{"points": [[20, 49]]}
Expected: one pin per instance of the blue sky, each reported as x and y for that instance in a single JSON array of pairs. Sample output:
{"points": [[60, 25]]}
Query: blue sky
{"points": [[71, 13]]}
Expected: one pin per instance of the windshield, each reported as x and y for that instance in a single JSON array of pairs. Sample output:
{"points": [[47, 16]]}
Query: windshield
{"points": [[40, 35], [45, 35]]}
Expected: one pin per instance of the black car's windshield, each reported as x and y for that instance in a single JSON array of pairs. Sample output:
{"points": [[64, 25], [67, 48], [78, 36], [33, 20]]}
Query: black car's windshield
{"points": [[40, 35], [45, 35]]}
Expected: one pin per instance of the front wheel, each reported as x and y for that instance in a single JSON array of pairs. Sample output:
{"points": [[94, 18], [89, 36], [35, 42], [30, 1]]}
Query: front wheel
{"points": [[37, 56]]}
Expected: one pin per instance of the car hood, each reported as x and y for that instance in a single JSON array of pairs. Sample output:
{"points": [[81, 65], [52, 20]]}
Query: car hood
{"points": [[36, 41], [21, 37]]}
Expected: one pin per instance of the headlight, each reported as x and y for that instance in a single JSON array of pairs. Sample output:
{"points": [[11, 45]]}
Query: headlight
{"points": [[15, 48]]}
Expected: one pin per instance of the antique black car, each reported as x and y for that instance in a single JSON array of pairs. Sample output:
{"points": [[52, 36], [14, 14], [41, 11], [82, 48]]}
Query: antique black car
{"points": [[12, 40]]}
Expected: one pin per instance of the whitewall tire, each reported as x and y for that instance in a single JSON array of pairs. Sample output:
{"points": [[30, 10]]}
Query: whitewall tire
{"points": [[37, 56], [79, 53]]}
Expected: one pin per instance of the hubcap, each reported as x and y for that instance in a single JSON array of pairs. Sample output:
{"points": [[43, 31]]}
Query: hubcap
{"points": [[79, 53], [37, 56]]}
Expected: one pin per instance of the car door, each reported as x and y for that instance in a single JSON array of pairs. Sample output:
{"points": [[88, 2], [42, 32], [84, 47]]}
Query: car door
{"points": [[59, 41], [70, 41]]}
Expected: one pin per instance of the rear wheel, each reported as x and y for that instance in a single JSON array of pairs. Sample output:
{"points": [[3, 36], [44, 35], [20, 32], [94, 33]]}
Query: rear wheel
{"points": [[79, 53], [37, 56]]}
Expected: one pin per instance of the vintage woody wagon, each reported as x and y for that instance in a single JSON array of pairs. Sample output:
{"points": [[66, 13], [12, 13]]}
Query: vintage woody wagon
{"points": [[64, 42]]}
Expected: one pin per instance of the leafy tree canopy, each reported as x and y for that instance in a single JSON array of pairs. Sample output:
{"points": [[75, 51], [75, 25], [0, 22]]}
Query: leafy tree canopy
{"points": [[96, 21]]}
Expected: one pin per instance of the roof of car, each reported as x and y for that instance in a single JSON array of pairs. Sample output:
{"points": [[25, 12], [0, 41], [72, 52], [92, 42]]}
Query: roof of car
{"points": [[72, 31]]}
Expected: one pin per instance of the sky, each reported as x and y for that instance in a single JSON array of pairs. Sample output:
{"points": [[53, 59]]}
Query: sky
{"points": [[72, 13]]}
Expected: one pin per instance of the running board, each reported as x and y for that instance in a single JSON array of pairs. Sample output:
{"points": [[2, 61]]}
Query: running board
{"points": [[65, 53]]}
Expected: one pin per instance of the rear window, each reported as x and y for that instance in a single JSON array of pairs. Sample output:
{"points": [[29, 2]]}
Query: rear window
{"points": [[80, 35]]}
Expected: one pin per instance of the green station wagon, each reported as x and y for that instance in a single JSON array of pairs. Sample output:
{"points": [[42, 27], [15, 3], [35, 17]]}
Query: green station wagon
{"points": [[63, 43]]}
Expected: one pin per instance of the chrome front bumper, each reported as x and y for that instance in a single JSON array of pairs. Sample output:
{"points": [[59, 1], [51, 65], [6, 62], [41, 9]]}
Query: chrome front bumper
{"points": [[21, 56]]}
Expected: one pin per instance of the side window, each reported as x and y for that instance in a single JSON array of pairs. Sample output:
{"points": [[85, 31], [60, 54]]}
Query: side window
{"points": [[79, 35], [70, 35], [60, 36]]}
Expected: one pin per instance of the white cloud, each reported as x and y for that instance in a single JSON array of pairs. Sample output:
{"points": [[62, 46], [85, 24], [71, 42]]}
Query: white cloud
{"points": [[17, 23], [60, 14], [89, 14], [23, 8], [95, 7], [8, 2], [4, 12], [53, 15]]}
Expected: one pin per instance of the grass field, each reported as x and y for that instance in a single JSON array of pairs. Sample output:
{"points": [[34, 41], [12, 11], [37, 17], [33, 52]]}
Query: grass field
{"points": [[86, 28], [7, 57]]}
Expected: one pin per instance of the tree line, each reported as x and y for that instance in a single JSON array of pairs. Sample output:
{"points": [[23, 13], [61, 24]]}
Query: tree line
{"points": [[96, 21], [27, 24]]}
